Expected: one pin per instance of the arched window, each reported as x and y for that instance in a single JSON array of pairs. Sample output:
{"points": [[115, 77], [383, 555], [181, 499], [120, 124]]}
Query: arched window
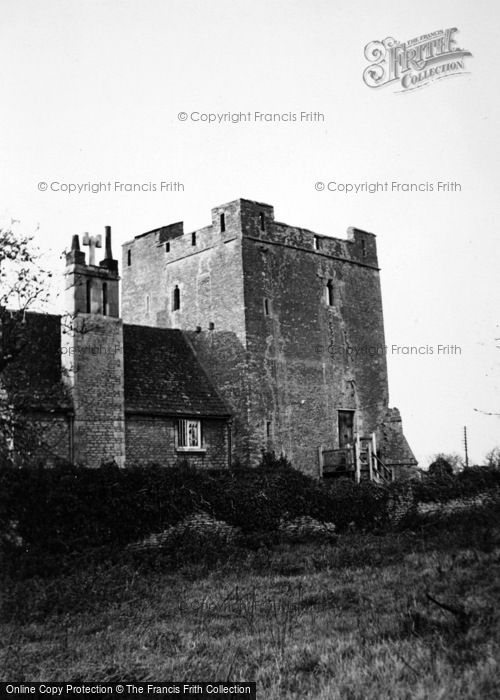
{"points": [[104, 298], [176, 299], [329, 293], [89, 296]]}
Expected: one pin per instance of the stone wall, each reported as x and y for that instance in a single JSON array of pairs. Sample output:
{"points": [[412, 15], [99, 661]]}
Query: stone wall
{"points": [[152, 439], [311, 354], [253, 301], [205, 266], [92, 352], [207, 270]]}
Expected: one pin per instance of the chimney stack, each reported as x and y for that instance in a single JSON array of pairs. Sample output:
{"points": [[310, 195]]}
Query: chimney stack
{"points": [[75, 255], [109, 254], [108, 261]]}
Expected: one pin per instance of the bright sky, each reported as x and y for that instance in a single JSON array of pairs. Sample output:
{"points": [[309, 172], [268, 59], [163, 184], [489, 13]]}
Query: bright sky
{"points": [[91, 90]]}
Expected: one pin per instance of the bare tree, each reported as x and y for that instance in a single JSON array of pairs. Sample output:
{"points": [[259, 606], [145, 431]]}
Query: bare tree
{"points": [[24, 286], [31, 398], [492, 459]]}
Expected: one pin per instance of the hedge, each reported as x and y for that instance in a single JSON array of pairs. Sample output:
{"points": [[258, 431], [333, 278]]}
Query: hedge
{"points": [[469, 482], [69, 509]]}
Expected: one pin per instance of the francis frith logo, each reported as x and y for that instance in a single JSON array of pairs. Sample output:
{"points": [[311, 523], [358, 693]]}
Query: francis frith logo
{"points": [[414, 63]]}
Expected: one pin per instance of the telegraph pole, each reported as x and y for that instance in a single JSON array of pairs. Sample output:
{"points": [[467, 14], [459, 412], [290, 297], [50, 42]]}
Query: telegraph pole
{"points": [[465, 447]]}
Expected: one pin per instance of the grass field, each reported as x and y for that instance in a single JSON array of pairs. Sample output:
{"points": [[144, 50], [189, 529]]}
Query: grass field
{"points": [[409, 615]]}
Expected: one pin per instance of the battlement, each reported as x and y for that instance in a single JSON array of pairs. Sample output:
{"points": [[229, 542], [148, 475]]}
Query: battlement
{"points": [[244, 218], [272, 312]]}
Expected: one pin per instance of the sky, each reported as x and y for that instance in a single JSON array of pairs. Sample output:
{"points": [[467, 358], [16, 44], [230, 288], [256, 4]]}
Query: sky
{"points": [[92, 91]]}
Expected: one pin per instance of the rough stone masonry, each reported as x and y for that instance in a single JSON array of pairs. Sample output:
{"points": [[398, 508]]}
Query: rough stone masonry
{"points": [[278, 317], [242, 336]]}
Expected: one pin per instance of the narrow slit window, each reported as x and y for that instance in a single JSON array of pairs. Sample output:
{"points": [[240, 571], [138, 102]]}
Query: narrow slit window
{"points": [[167, 247], [268, 428], [176, 299], [104, 298], [267, 307], [363, 248], [329, 293], [193, 238], [129, 258], [222, 223], [317, 243], [147, 303], [89, 296], [262, 221]]}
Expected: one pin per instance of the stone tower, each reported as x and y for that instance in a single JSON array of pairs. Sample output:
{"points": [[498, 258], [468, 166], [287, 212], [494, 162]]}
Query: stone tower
{"points": [[92, 353], [287, 323]]}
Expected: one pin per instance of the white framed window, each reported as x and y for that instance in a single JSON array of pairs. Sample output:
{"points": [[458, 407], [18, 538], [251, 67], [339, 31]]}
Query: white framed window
{"points": [[189, 434]]}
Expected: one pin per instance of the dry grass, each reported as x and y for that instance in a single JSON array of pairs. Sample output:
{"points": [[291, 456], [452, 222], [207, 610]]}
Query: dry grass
{"points": [[351, 620]]}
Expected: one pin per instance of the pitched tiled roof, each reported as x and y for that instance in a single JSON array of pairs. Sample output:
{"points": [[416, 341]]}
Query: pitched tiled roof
{"points": [[33, 378], [163, 375]]}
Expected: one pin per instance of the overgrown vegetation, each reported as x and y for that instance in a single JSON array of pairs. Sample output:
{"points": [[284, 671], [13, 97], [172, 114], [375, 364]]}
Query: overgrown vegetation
{"points": [[312, 590], [403, 615], [49, 516]]}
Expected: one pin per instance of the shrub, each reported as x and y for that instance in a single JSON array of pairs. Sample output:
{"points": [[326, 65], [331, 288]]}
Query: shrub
{"points": [[363, 506], [469, 482], [68, 509], [441, 467], [268, 460]]}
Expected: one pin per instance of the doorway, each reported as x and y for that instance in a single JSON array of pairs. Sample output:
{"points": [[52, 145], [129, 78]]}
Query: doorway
{"points": [[346, 428]]}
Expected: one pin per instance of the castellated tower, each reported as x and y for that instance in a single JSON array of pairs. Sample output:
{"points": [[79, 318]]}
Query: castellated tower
{"points": [[92, 353], [287, 324]]}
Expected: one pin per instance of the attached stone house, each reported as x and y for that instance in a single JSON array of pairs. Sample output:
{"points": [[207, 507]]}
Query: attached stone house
{"points": [[65, 404], [247, 334]]}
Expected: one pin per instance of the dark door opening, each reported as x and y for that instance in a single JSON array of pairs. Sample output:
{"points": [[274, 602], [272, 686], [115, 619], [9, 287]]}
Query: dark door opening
{"points": [[346, 428]]}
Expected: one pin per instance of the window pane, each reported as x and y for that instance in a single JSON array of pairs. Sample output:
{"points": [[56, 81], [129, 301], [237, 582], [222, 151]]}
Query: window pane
{"points": [[189, 433], [193, 435]]}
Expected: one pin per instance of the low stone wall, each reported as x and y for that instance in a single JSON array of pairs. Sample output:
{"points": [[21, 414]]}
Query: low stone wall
{"points": [[458, 504], [404, 505]]}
